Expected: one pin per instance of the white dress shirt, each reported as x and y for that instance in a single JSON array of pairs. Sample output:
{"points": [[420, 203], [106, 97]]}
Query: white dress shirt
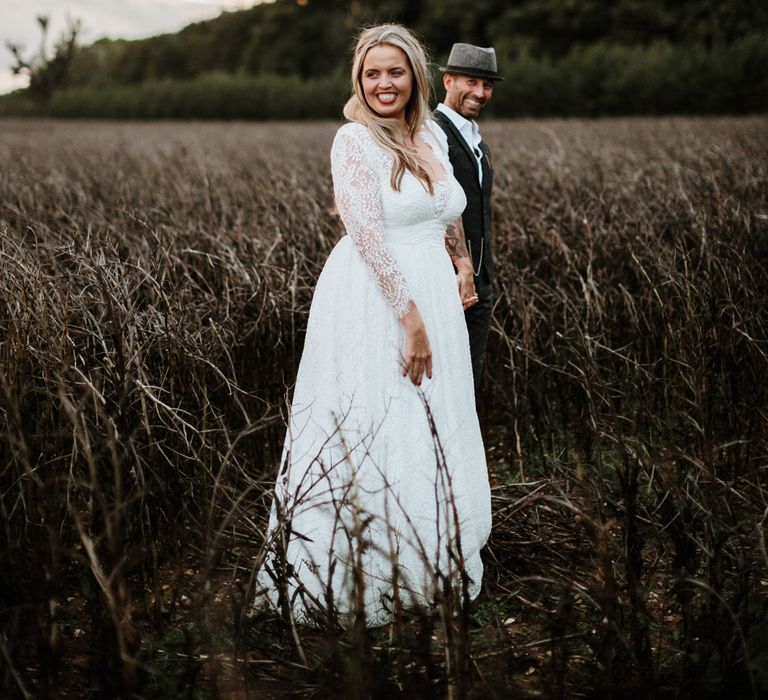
{"points": [[469, 131]]}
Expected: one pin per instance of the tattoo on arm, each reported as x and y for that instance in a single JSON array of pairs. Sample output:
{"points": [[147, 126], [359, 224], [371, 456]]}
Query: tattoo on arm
{"points": [[454, 241]]}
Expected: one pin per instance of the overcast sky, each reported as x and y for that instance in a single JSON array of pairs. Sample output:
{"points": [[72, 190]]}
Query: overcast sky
{"points": [[127, 19]]}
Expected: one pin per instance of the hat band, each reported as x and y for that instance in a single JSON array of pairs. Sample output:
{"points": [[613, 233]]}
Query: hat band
{"points": [[466, 70]]}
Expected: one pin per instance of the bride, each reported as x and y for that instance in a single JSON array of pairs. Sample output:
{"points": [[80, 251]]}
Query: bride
{"points": [[382, 497]]}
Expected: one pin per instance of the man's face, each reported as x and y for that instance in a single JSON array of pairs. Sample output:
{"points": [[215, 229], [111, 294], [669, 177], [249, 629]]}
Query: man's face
{"points": [[466, 95]]}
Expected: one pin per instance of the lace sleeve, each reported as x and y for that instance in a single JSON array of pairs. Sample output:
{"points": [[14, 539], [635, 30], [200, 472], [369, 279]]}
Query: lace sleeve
{"points": [[358, 199]]}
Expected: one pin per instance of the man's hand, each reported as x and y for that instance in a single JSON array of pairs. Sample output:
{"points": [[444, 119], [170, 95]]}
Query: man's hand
{"points": [[466, 283]]}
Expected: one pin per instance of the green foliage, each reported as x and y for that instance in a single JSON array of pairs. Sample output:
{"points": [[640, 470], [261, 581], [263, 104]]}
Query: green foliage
{"points": [[661, 78], [19, 104], [559, 58], [595, 79], [314, 46], [552, 27], [209, 96], [172, 670]]}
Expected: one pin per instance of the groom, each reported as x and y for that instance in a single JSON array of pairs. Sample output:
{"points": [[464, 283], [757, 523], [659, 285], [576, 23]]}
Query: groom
{"points": [[469, 78]]}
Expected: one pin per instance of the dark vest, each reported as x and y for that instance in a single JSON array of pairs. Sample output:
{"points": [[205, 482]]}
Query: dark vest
{"points": [[477, 215]]}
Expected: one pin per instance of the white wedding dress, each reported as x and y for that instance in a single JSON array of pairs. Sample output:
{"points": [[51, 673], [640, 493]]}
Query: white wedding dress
{"points": [[383, 491]]}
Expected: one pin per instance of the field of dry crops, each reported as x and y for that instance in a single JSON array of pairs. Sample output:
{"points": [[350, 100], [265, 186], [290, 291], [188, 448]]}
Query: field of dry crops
{"points": [[154, 287]]}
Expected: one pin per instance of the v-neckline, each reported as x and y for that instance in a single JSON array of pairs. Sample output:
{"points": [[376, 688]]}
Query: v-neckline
{"points": [[432, 147]]}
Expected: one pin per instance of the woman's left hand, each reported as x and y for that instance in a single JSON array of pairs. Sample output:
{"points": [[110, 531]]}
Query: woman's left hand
{"points": [[466, 282]]}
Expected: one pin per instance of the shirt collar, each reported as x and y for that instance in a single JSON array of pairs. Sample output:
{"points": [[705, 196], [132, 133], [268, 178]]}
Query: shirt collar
{"points": [[465, 126]]}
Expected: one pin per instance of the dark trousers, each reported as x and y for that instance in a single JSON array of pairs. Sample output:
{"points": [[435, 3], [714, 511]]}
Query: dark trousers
{"points": [[479, 325]]}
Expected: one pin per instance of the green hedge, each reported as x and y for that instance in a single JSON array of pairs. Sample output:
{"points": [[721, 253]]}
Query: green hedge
{"points": [[210, 96], [19, 104], [591, 80], [661, 78]]}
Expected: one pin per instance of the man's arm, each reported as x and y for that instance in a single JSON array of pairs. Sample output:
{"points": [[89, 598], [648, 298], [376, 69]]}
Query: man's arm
{"points": [[455, 245], [457, 250]]}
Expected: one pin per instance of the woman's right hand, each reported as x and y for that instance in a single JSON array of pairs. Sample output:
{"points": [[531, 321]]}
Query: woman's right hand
{"points": [[418, 354]]}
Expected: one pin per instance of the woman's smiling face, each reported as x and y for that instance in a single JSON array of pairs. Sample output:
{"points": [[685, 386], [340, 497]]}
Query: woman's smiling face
{"points": [[387, 81]]}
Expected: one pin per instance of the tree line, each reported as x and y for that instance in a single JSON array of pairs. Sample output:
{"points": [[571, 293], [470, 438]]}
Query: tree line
{"points": [[560, 58]]}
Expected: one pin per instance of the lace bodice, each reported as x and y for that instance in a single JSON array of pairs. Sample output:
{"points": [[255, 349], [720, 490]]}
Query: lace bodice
{"points": [[377, 217]]}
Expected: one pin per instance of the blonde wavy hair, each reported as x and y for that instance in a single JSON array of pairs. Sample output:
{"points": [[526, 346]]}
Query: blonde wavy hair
{"points": [[386, 132]]}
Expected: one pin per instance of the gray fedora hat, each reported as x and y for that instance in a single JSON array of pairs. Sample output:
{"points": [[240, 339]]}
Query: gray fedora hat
{"points": [[476, 61]]}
